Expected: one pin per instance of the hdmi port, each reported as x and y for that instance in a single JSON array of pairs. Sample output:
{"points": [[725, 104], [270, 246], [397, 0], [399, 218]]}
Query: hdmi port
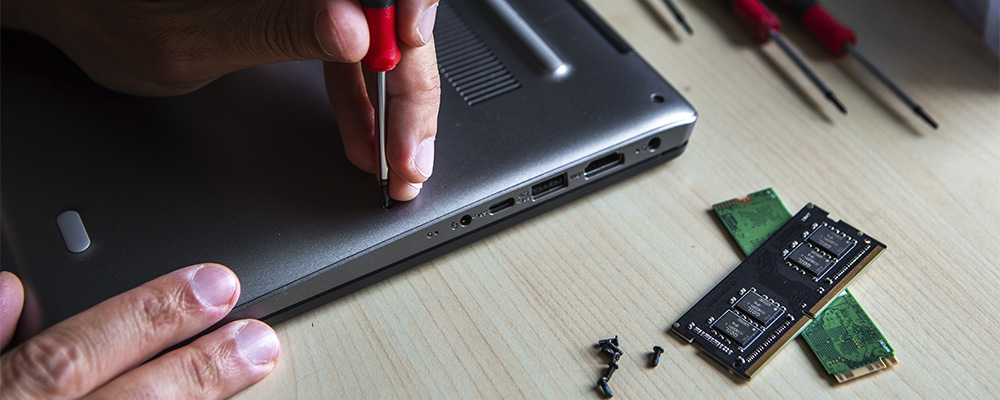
{"points": [[603, 164]]}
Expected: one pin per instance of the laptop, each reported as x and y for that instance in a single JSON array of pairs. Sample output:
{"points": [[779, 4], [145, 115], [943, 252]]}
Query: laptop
{"points": [[100, 192]]}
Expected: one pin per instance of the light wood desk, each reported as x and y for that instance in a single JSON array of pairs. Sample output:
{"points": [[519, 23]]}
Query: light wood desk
{"points": [[516, 315]]}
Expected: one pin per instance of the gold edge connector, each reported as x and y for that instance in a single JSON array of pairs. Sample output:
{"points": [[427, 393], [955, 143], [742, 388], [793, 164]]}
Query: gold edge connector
{"points": [[874, 367]]}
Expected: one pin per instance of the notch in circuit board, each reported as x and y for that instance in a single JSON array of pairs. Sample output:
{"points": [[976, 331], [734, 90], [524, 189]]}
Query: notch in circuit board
{"points": [[772, 295]]}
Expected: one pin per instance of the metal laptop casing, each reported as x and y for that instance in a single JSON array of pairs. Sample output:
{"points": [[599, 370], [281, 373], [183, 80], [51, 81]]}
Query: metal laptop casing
{"points": [[250, 172]]}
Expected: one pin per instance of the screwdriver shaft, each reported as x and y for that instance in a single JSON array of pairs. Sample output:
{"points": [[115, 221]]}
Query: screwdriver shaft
{"points": [[380, 131], [807, 70], [890, 84], [678, 16]]}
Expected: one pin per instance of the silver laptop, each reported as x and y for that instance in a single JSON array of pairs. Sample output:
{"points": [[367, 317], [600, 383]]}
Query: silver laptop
{"points": [[541, 103]]}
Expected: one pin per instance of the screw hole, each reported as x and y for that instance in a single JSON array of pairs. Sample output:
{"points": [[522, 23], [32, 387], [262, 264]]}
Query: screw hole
{"points": [[657, 98]]}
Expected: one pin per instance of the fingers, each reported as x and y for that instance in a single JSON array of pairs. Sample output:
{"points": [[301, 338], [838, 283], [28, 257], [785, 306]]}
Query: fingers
{"points": [[215, 366], [414, 93], [79, 354], [11, 302], [355, 116], [402, 190], [415, 21]]}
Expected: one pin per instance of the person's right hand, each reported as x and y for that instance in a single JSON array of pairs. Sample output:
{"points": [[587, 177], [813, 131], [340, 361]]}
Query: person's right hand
{"points": [[105, 352], [171, 47]]}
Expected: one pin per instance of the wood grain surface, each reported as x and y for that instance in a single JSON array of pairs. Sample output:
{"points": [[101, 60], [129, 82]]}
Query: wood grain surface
{"points": [[515, 315]]}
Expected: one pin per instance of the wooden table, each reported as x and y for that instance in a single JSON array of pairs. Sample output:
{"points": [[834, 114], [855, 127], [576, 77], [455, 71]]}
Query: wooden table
{"points": [[516, 315]]}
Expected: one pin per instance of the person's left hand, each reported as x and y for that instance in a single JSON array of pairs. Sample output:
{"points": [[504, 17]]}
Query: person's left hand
{"points": [[105, 352]]}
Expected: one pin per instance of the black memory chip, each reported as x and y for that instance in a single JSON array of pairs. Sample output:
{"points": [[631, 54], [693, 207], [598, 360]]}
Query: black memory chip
{"points": [[831, 241], [737, 329], [810, 259], [759, 308]]}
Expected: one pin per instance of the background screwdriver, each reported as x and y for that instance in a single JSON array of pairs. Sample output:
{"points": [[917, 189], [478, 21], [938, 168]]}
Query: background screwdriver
{"points": [[838, 39], [383, 55], [763, 24], [678, 16]]}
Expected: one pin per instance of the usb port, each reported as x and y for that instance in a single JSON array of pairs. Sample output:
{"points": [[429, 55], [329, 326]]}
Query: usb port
{"points": [[603, 164], [549, 186], [503, 205]]}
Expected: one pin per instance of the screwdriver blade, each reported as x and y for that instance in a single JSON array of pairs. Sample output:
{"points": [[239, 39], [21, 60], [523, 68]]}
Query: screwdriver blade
{"points": [[801, 63], [380, 130], [891, 85]]}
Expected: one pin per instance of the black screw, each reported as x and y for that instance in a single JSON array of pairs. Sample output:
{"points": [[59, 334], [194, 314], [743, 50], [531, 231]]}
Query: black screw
{"points": [[657, 350], [612, 366], [603, 385], [614, 347], [604, 342]]}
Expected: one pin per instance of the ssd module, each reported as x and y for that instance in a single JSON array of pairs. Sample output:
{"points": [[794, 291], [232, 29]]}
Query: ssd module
{"points": [[847, 342], [772, 295]]}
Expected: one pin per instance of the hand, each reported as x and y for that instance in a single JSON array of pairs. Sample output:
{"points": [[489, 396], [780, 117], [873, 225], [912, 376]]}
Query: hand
{"points": [[103, 352], [170, 47]]}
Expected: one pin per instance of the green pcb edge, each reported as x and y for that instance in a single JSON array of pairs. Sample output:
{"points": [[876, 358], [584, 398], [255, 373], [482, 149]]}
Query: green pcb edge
{"points": [[843, 337]]}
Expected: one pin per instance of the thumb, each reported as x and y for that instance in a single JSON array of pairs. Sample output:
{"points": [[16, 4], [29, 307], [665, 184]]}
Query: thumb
{"points": [[11, 301], [269, 31], [341, 31]]}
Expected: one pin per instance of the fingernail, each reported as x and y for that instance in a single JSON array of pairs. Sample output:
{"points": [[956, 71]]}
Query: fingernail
{"points": [[425, 27], [257, 342], [214, 285], [417, 186], [423, 161], [323, 43]]}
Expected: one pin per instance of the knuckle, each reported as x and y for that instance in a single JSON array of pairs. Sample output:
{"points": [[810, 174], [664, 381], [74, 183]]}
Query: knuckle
{"points": [[202, 371], [49, 366], [158, 313]]}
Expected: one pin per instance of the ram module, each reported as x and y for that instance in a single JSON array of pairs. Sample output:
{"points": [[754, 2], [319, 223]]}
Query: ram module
{"points": [[843, 337], [772, 295]]}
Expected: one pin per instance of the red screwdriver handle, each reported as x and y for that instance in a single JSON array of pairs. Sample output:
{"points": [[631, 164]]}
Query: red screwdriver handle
{"points": [[834, 35], [383, 52], [756, 18]]}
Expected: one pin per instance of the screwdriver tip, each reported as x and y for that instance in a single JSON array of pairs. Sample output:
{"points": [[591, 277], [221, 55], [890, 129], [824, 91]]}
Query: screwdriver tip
{"points": [[927, 118], [833, 99], [386, 202], [687, 27]]}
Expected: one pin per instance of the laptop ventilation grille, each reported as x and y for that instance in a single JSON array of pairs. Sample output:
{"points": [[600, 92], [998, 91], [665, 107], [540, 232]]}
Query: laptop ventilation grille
{"points": [[466, 62]]}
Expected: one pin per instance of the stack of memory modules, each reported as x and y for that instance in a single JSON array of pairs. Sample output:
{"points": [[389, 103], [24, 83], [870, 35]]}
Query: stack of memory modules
{"points": [[793, 281]]}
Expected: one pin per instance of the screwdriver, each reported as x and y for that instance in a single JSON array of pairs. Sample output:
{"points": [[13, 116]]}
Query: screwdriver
{"points": [[838, 39], [383, 55], [763, 24], [678, 16]]}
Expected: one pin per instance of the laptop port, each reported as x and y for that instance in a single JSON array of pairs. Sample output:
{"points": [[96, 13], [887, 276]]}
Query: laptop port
{"points": [[549, 186], [503, 205], [465, 220], [603, 164]]}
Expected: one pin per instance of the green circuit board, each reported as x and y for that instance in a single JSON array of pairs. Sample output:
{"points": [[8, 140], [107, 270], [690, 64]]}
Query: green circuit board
{"points": [[846, 340], [843, 337], [752, 219]]}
